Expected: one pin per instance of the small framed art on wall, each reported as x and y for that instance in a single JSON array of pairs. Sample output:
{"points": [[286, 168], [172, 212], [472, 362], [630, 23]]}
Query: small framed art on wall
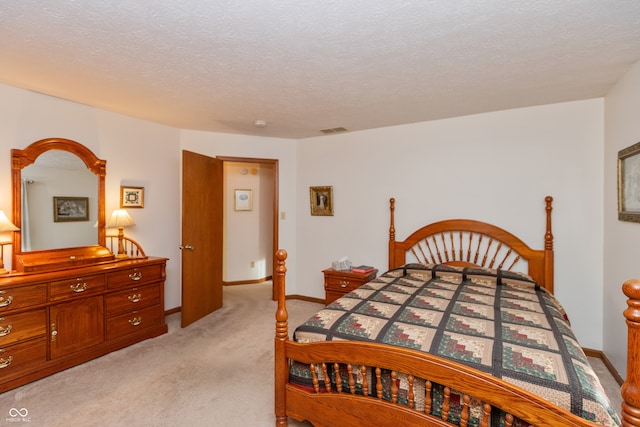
{"points": [[131, 197], [321, 200]]}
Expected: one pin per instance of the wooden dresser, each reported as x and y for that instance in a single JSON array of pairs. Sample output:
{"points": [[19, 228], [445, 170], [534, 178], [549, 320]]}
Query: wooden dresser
{"points": [[50, 321]]}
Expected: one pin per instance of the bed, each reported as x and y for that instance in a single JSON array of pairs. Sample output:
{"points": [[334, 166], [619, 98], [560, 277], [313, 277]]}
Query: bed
{"points": [[421, 367]]}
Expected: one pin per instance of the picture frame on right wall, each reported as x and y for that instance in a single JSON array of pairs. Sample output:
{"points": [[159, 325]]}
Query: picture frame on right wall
{"points": [[629, 183]]}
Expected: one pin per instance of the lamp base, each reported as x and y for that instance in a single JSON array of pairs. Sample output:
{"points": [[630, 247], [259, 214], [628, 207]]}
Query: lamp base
{"points": [[4, 271]]}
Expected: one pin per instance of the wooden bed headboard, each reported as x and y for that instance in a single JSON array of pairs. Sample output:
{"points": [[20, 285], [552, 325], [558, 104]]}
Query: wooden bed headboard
{"points": [[465, 242]]}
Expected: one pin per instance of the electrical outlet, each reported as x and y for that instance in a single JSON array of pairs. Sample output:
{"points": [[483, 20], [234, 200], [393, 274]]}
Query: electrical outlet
{"points": [[253, 264], [282, 215]]}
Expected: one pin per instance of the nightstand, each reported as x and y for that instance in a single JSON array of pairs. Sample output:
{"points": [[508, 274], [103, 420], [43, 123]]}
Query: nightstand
{"points": [[338, 282]]}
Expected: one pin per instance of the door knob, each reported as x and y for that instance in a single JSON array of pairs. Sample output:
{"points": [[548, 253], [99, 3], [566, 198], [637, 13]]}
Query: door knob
{"points": [[187, 247]]}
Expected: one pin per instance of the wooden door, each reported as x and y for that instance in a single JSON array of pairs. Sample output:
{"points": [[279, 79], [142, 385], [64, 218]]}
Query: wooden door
{"points": [[202, 216], [76, 325]]}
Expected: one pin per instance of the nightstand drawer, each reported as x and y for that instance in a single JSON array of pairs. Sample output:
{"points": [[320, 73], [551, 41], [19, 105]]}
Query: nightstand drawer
{"points": [[342, 284], [338, 283]]}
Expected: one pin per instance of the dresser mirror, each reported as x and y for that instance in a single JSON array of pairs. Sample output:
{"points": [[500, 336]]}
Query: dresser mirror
{"points": [[58, 204]]}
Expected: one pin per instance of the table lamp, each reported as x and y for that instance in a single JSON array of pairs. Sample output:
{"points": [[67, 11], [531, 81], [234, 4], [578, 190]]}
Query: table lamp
{"points": [[120, 218], [5, 226]]}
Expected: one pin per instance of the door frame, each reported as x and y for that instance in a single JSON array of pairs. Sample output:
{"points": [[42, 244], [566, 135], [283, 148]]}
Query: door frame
{"points": [[276, 203]]}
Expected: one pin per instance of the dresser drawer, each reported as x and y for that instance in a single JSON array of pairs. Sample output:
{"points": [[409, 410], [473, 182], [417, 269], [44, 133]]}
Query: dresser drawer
{"points": [[76, 287], [18, 327], [22, 297], [135, 276], [134, 321], [133, 299], [17, 357]]}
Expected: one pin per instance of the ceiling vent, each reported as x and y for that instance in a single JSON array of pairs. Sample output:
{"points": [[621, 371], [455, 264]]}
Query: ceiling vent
{"points": [[333, 130]]}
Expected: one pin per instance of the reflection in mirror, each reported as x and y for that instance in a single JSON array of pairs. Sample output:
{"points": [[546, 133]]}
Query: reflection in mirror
{"points": [[83, 192], [57, 173]]}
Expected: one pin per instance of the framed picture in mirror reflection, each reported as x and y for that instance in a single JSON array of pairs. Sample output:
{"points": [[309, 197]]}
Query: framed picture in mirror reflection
{"points": [[70, 209]]}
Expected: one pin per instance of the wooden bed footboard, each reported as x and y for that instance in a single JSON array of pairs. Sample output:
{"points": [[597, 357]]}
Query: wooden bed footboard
{"points": [[412, 365]]}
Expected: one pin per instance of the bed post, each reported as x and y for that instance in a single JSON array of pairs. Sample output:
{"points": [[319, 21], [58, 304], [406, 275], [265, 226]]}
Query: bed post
{"points": [[631, 387], [392, 234], [548, 247], [282, 336]]}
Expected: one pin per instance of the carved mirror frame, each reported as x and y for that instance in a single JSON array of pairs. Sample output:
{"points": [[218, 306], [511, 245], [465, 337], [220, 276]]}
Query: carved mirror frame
{"points": [[23, 158]]}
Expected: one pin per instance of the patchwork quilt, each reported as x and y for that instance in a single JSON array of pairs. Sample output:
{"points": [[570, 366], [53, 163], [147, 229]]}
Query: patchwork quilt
{"points": [[495, 321]]}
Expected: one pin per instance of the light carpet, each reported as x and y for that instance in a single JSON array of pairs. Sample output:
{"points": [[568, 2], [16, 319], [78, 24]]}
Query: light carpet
{"points": [[216, 372]]}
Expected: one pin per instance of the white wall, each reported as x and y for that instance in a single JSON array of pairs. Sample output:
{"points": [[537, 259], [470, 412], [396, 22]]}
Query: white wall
{"points": [[496, 167], [621, 248], [137, 153], [248, 235]]}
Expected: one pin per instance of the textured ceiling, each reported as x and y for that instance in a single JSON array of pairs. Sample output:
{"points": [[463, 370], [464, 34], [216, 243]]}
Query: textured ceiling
{"points": [[307, 65]]}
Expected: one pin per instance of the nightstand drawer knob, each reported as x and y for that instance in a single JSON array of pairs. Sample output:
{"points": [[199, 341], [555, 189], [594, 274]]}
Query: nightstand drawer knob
{"points": [[344, 283]]}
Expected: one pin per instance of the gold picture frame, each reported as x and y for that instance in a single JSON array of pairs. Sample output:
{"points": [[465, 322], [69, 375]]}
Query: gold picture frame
{"points": [[629, 183], [321, 200], [243, 200], [131, 197]]}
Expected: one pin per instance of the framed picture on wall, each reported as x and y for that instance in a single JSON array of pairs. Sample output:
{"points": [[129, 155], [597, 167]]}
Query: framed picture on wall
{"points": [[70, 209], [131, 197], [243, 200], [629, 184], [321, 199]]}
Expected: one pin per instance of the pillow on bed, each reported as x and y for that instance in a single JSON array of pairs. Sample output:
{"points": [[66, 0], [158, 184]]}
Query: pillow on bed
{"points": [[495, 275], [488, 276]]}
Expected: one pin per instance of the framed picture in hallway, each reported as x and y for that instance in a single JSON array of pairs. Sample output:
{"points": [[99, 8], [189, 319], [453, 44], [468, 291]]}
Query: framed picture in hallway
{"points": [[243, 200], [321, 201], [629, 184]]}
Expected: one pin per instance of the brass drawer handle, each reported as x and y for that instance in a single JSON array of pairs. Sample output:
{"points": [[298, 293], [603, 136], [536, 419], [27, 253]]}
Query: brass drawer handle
{"points": [[5, 301], [344, 283], [135, 321], [79, 287], [136, 275], [135, 297], [54, 332], [4, 331], [5, 362]]}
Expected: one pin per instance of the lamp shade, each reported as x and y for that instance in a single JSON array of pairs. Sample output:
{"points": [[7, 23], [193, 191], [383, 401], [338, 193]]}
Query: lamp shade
{"points": [[120, 218], [5, 224]]}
